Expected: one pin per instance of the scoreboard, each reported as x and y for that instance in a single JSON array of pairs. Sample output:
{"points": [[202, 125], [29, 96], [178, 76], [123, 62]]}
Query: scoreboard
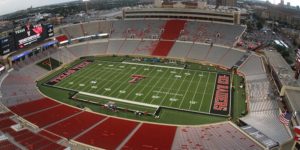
{"points": [[24, 37], [6, 45], [31, 34]]}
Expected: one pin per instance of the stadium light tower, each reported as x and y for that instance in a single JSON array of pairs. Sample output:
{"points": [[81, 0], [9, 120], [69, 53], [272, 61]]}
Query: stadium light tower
{"points": [[86, 6]]}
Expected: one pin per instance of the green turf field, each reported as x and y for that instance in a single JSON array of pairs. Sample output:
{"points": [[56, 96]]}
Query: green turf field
{"points": [[117, 77], [172, 87]]}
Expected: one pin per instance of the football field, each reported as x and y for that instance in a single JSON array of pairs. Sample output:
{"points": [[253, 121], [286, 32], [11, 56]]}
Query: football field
{"points": [[168, 86]]}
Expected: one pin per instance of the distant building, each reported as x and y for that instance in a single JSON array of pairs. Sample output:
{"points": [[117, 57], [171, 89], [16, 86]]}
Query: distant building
{"points": [[279, 13], [55, 20], [282, 2], [190, 10], [226, 2]]}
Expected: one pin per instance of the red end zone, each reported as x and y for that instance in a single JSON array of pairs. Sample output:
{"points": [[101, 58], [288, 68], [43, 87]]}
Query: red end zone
{"points": [[221, 101], [69, 72]]}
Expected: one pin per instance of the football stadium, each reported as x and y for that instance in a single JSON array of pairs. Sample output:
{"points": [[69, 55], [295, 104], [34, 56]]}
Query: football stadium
{"points": [[165, 76]]}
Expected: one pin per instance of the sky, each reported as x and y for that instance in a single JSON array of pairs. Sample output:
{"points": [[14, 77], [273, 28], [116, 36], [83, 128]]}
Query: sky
{"points": [[293, 2], [9, 6]]}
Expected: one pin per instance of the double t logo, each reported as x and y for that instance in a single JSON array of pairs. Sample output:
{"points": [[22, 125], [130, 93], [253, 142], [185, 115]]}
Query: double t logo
{"points": [[136, 78]]}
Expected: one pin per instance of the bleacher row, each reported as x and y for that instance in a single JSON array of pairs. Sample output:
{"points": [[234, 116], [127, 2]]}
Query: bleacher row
{"points": [[91, 28], [64, 123], [196, 51], [262, 101], [24, 138], [19, 86], [222, 34], [223, 56]]}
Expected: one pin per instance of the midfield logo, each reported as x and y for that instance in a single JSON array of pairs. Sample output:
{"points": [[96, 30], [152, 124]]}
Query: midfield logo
{"points": [[136, 78]]}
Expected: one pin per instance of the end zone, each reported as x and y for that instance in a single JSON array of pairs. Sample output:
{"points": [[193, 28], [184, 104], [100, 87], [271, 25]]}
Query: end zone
{"points": [[222, 96], [69, 72]]}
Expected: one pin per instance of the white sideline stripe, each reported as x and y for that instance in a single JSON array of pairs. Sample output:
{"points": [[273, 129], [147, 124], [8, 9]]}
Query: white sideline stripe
{"points": [[139, 64], [119, 100], [10, 70], [2, 79]]}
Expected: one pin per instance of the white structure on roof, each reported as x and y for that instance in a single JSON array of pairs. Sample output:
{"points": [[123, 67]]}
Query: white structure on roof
{"points": [[157, 3], [209, 13]]}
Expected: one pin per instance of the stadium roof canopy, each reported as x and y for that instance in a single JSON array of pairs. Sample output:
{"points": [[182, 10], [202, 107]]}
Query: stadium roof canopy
{"points": [[290, 86], [282, 69], [293, 97]]}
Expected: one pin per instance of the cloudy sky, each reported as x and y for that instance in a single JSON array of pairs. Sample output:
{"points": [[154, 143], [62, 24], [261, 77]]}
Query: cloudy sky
{"points": [[8, 6], [293, 2]]}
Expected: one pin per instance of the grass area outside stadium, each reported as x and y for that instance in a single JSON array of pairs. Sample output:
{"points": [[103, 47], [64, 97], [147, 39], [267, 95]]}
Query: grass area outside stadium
{"points": [[167, 89]]}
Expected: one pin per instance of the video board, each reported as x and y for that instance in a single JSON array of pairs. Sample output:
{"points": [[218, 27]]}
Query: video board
{"points": [[24, 37], [30, 34], [6, 45]]}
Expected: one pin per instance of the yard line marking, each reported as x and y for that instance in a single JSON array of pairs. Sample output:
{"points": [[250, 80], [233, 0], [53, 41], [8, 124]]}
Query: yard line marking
{"points": [[147, 85], [120, 75], [81, 72], [187, 91], [139, 94], [107, 89], [132, 90], [64, 82], [162, 66], [94, 73], [161, 77], [107, 75], [174, 81], [113, 69], [199, 81], [179, 89], [126, 79], [141, 64], [102, 78], [112, 80], [160, 88], [81, 77], [122, 91], [88, 75], [78, 73], [128, 84], [155, 97], [168, 93], [204, 92], [85, 77]]}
